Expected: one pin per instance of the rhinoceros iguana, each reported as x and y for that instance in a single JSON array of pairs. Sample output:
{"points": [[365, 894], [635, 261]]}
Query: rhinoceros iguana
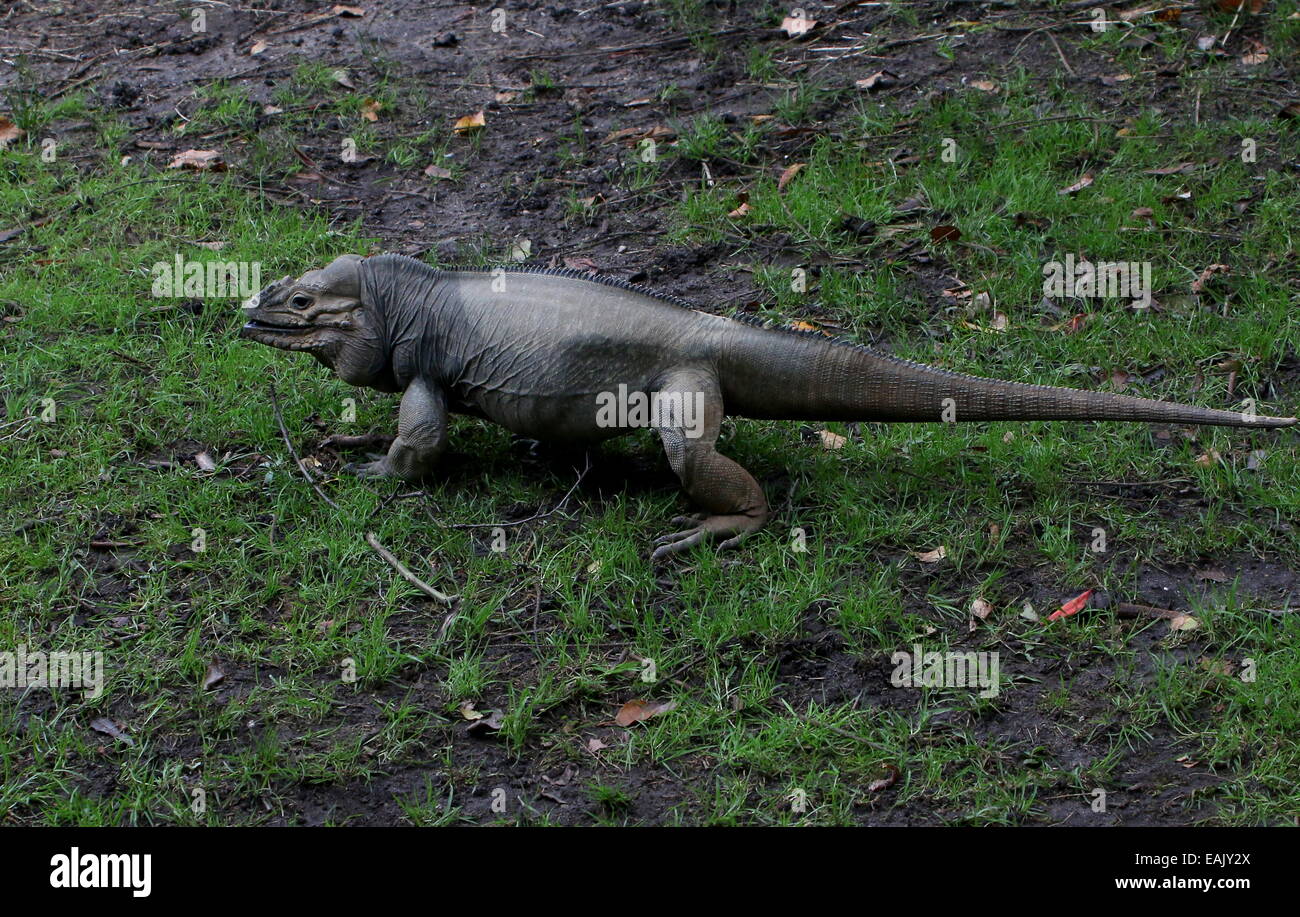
{"points": [[562, 355]]}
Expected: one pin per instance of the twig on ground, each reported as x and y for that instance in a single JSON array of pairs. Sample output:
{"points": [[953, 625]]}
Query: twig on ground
{"points": [[533, 518], [279, 419], [407, 575]]}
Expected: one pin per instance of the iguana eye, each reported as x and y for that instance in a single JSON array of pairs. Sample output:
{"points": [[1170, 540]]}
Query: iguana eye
{"points": [[300, 301]]}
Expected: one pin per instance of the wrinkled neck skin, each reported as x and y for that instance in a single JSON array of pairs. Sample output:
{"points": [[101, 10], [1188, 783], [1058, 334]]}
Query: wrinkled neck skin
{"points": [[403, 295]]}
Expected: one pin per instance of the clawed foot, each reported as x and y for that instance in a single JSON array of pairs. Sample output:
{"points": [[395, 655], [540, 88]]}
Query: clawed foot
{"points": [[379, 468], [731, 529]]}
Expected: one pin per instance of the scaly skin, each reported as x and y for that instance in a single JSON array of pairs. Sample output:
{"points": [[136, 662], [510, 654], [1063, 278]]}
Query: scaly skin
{"points": [[533, 350]]}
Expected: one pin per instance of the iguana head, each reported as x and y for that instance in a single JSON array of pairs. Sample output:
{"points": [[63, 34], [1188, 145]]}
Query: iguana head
{"points": [[322, 313]]}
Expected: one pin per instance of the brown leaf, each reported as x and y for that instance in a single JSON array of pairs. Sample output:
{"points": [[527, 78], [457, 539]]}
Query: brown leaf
{"points": [[1257, 54], [109, 728], [1212, 575], [945, 234], [931, 557], [1180, 169], [352, 12], [1208, 458], [881, 79], [594, 745], [831, 441], [890, 778], [580, 263], [470, 123], [631, 136], [9, 132], [1169, 14], [213, 676], [797, 26], [1082, 183], [984, 85], [204, 461], [437, 171], [787, 174], [198, 160], [638, 711], [1199, 283], [1183, 622], [486, 724], [370, 109], [1142, 213], [1231, 6], [258, 47]]}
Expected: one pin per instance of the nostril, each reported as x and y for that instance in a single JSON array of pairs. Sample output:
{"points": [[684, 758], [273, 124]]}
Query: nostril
{"points": [[251, 303]]}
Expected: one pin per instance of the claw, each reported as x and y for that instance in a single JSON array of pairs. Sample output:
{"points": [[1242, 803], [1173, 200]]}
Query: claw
{"points": [[375, 469], [732, 530]]}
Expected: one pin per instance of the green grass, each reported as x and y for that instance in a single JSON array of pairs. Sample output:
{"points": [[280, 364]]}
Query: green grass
{"points": [[287, 596]]}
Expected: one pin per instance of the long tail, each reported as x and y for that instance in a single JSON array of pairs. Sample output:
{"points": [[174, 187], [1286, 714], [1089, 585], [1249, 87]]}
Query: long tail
{"points": [[773, 373]]}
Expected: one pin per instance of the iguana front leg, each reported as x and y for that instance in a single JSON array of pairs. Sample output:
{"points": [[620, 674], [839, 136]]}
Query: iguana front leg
{"points": [[734, 502], [421, 436]]}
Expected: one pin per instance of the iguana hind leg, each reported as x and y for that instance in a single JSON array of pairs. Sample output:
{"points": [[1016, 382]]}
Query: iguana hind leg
{"points": [[421, 436], [733, 500]]}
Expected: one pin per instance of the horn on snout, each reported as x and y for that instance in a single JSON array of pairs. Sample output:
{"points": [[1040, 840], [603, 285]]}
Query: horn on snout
{"points": [[341, 276]]}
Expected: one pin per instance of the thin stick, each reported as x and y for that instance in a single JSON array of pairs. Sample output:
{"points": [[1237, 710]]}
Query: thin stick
{"points": [[279, 419], [535, 516], [1061, 55], [407, 575]]}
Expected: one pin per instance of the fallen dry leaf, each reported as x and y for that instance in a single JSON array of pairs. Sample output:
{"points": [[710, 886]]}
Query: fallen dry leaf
{"points": [[341, 77], [1071, 607], [1183, 622], [1199, 283], [370, 109], [258, 47], [831, 440], [9, 132], [945, 234], [984, 85], [198, 160], [797, 26], [487, 724], [881, 79], [880, 783], [353, 12], [1180, 169], [631, 136], [470, 123], [437, 171], [1082, 183], [213, 676], [1208, 458], [1256, 55], [595, 745], [109, 728], [205, 462], [787, 174], [638, 711], [931, 557]]}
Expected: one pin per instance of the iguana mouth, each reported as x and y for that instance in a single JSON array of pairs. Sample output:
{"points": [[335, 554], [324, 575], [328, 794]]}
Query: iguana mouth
{"points": [[262, 325]]}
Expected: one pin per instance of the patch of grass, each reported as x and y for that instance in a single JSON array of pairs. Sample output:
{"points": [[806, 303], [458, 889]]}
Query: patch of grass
{"points": [[337, 675]]}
